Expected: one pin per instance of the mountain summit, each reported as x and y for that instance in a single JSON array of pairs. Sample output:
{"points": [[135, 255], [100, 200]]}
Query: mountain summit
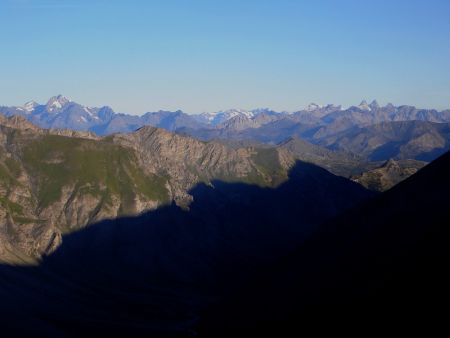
{"points": [[374, 105], [57, 102], [364, 106]]}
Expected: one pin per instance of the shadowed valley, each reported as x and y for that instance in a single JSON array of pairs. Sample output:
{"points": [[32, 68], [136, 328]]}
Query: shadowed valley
{"points": [[155, 273]]}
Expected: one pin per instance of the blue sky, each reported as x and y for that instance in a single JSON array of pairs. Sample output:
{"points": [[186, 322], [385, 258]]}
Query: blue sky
{"points": [[139, 56]]}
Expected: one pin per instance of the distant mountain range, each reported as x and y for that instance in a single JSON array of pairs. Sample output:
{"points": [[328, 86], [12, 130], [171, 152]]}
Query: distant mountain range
{"points": [[61, 112], [345, 141]]}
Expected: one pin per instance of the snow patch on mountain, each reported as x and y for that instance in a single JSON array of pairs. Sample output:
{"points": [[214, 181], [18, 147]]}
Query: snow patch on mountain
{"points": [[57, 102], [30, 106]]}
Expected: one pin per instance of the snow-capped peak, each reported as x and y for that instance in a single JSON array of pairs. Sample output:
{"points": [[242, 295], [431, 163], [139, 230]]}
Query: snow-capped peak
{"points": [[57, 102], [29, 106], [235, 112], [208, 116], [215, 118]]}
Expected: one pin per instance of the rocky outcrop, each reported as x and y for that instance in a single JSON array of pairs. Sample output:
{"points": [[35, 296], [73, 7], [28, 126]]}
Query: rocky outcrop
{"points": [[388, 174]]}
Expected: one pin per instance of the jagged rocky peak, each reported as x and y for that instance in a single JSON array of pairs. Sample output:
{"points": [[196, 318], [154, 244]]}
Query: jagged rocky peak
{"points": [[57, 102], [313, 106], [374, 105], [390, 106], [364, 105]]}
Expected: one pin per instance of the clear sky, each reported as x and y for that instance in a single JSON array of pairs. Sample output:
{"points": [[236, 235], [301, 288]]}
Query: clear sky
{"points": [[139, 56]]}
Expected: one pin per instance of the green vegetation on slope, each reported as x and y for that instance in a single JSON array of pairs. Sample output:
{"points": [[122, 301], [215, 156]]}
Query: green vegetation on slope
{"points": [[268, 163], [267, 170], [101, 167], [11, 207], [9, 170]]}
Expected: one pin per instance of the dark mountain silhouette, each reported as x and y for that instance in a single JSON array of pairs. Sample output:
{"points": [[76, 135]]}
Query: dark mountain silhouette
{"points": [[153, 275], [377, 268]]}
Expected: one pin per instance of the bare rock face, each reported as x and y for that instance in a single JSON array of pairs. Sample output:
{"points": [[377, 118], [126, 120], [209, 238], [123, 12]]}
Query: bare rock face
{"points": [[187, 161], [18, 122], [57, 181]]}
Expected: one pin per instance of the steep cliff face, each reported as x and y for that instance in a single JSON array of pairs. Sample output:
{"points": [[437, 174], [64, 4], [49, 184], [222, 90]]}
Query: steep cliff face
{"points": [[56, 181]]}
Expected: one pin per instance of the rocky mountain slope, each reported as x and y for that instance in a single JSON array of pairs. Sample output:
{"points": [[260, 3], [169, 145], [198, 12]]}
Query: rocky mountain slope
{"points": [[388, 174], [57, 181], [372, 132], [338, 162], [151, 275], [418, 140]]}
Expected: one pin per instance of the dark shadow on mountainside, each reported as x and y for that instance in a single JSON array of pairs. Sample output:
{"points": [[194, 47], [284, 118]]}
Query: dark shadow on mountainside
{"points": [[154, 274], [377, 268]]}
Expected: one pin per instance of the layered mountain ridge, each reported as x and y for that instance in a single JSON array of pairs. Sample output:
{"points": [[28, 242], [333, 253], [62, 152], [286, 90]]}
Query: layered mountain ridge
{"points": [[57, 181], [252, 224], [61, 112], [68, 174], [374, 132]]}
